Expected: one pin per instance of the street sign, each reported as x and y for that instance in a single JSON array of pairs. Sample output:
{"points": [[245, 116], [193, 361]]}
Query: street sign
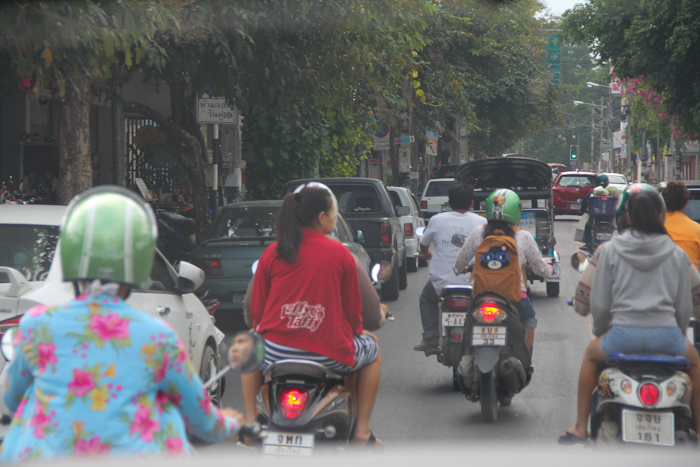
{"points": [[380, 144], [404, 140], [214, 110]]}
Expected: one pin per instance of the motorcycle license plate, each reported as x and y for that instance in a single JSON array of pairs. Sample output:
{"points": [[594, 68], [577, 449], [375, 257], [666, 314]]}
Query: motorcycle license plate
{"points": [[648, 427], [453, 319], [575, 206], [603, 236], [218, 335], [288, 444], [488, 335]]}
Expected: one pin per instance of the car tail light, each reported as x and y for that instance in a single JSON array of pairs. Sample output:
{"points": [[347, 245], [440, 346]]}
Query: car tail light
{"points": [[210, 266], [457, 303], [408, 229], [385, 233], [649, 394], [424, 204], [213, 306], [489, 313], [293, 403]]}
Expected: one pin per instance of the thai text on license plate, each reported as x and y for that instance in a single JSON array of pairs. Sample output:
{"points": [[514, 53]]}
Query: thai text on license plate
{"points": [[574, 206], [488, 335], [603, 236], [453, 319], [648, 427], [288, 444]]}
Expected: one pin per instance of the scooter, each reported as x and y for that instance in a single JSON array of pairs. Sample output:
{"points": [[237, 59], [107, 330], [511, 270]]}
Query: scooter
{"points": [[303, 406], [495, 361], [176, 235], [643, 398]]}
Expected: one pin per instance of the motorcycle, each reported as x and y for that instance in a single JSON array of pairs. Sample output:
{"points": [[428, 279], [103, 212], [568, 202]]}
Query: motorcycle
{"points": [[495, 361], [454, 304], [598, 224], [643, 398], [302, 405], [176, 235]]}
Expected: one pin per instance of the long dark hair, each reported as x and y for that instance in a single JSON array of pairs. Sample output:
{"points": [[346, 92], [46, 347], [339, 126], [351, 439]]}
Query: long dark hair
{"points": [[299, 211], [645, 208], [494, 224]]}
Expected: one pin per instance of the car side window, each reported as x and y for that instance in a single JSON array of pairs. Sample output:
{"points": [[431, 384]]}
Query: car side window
{"points": [[395, 198], [161, 278], [414, 202]]}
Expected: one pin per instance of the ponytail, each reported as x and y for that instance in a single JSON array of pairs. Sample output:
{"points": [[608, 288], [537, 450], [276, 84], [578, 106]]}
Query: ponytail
{"points": [[299, 211]]}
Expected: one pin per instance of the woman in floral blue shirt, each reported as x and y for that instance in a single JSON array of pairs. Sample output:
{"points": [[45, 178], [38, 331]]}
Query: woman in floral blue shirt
{"points": [[95, 376]]}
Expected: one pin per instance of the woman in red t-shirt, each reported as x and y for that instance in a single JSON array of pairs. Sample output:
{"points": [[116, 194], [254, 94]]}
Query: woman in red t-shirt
{"points": [[306, 302]]}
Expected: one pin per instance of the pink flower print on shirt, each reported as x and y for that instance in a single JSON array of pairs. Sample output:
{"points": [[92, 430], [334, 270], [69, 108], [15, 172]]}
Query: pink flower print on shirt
{"points": [[175, 446], [182, 356], [109, 327], [82, 383], [205, 402], [46, 354], [90, 447], [143, 424], [160, 372], [39, 421], [37, 310]]}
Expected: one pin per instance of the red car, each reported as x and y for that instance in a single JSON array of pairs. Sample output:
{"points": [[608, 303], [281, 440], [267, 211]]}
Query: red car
{"points": [[569, 189]]}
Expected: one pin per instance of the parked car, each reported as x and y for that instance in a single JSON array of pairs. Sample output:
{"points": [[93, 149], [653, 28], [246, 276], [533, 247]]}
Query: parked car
{"points": [[569, 189], [693, 208], [434, 198], [366, 205], [239, 235], [619, 181], [30, 275], [404, 197]]}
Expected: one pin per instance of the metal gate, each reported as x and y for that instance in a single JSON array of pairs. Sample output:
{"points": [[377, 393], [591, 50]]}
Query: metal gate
{"points": [[150, 162]]}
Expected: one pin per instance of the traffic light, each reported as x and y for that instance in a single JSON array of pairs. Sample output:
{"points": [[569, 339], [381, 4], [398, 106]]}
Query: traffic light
{"points": [[573, 151]]}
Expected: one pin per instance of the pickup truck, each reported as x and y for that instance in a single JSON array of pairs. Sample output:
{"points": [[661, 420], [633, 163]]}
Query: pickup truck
{"points": [[367, 207]]}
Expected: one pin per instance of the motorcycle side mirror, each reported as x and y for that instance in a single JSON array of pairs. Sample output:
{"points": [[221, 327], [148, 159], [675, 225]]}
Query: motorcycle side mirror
{"points": [[246, 352], [458, 240], [420, 231], [579, 261], [380, 272], [254, 266], [7, 343]]}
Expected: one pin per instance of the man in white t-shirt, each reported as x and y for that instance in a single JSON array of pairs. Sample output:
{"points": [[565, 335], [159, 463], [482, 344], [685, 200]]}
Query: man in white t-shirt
{"points": [[441, 228]]}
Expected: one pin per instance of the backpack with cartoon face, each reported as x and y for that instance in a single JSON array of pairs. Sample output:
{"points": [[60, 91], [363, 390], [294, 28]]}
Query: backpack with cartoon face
{"points": [[497, 266]]}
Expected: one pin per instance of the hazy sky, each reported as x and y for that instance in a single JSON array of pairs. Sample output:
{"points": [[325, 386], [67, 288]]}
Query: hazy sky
{"points": [[558, 7]]}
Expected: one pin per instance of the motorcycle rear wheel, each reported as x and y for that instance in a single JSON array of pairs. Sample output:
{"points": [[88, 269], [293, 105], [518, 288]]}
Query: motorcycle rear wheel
{"points": [[487, 395]]}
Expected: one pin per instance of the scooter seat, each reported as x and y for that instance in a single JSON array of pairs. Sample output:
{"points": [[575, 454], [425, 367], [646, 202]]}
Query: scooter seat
{"points": [[678, 363], [292, 367]]}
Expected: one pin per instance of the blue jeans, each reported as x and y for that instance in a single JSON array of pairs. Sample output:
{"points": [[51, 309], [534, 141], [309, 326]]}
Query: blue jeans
{"points": [[629, 339], [429, 303], [527, 312]]}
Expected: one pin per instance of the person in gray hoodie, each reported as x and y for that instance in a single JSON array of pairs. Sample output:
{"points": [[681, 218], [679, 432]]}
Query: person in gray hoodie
{"points": [[641, 289]]}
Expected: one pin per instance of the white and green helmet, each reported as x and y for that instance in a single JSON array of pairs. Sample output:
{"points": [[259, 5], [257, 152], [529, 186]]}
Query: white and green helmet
{"points": [[108, 233]]}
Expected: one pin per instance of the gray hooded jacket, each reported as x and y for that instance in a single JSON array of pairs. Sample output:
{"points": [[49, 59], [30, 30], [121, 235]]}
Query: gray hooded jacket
{"points": [[641, 280]]}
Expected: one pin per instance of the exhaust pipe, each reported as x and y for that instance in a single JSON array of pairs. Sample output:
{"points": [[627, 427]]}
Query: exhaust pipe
{"points": [[511, 375]]}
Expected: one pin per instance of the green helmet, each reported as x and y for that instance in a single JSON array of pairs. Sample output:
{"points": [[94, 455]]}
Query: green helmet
{"points": [[623, 202], [108, 233], [503, 205], [601, 180]]}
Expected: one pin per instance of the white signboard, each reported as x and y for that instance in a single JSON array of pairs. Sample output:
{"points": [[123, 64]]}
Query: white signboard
{"points": [[381, 144], [214, 110], [404, 160], [527, 222]]}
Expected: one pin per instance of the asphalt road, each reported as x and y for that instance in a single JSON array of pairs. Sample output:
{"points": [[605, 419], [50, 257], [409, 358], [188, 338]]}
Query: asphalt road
{"points": [[417, 402]]}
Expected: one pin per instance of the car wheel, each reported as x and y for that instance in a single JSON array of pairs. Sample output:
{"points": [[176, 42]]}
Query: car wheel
{"points": [[210, 366], [390, 288], [403, 275], [412, 264]]}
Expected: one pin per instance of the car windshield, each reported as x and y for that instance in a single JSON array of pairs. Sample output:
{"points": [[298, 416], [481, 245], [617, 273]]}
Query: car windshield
{"points": [[438, 188], [357, 198], [693, 208], [27, 248], [577, 181], [246, 222], [617, 179]]}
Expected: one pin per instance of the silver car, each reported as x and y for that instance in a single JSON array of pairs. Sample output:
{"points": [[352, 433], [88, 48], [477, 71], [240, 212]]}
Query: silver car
{"points": [[30, 274], [404, 197]]}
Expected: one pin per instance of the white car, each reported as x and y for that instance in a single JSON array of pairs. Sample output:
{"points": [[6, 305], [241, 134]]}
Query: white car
{"points": [[434, 198], [30, 274], [404, 197], [617, 180]]}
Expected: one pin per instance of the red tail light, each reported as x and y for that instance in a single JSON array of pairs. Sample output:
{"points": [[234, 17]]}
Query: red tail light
{"points": [[408, 229], [385, 234], [457, 303], [210, 266], [293, 402], [489, 311], [649, 394], [212, 307], [424, 205]]}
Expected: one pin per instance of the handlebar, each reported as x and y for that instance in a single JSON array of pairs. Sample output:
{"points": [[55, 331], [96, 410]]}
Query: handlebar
{"points": [[251, 429]]}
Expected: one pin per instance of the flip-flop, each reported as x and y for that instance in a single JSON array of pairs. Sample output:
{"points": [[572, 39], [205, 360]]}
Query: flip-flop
{"points": [[370, 445], [569, 439]]}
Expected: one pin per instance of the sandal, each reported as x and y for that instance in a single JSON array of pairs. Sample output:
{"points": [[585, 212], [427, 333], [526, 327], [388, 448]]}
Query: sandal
{"points": [[569, 439], [370, 445]]}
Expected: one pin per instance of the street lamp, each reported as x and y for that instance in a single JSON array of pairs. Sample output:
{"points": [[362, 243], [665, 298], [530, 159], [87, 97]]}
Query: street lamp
{"points": [[596, 85], [593, 126]]}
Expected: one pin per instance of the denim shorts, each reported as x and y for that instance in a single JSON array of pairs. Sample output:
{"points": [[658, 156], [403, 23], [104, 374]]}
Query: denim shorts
{"points": [[527, 313], [629, 339]]}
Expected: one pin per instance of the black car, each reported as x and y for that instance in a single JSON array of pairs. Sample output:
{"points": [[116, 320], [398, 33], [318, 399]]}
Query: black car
{"points": [[367, 207], [693, 208]]}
